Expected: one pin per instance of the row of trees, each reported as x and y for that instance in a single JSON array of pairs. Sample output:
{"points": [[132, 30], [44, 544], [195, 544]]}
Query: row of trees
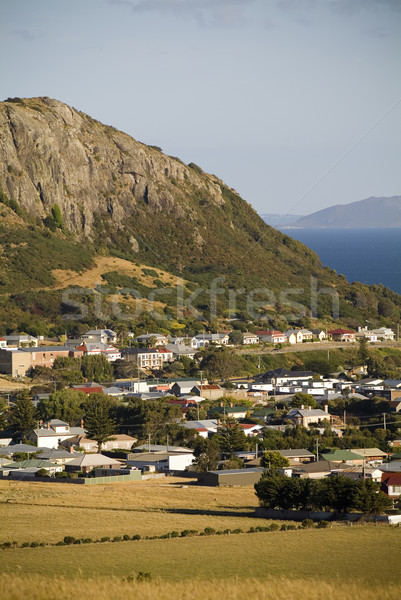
{"points": [[337, 493]]}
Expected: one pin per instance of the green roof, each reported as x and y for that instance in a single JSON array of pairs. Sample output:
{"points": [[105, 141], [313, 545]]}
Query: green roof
{"points": [[341, 455], [32, 462]]}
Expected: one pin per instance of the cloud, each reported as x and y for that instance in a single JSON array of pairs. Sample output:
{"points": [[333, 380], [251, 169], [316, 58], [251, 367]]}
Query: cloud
{"points": [[377, 32], [217, 13]]}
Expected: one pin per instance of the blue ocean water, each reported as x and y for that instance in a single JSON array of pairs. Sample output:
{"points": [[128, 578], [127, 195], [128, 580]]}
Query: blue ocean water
{"points": [[366, 255]]}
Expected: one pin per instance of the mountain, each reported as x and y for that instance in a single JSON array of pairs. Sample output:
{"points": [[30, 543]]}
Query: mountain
{"points": [[276, 220], [84, 205], [371, 212]]}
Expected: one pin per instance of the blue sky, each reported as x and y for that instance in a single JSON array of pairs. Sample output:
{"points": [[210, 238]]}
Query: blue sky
{"points": [[294, 103]]}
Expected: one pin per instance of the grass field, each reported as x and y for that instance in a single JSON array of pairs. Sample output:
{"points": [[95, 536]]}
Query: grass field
{"points": [[340, 562]]}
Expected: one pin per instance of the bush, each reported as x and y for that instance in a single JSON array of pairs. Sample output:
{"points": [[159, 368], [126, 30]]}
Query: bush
{"points": [[117, 538], [308, 523], [34, 544], [25, 545], [136, 537], [126, 538], [189, 532], [106, 539], [274, 527], [69, 539], [209, 530], [323, 524], [143, 576]]}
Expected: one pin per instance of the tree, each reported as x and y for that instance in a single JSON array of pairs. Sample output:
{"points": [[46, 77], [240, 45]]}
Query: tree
{"points": [[273, 460], [236, 337], [57, 216], [363, 350], [66, 405], [99, 423], [3, 414], [96, 368], [368, 498], [220, 363], [231, 437], [300, 399], [206, 454], [23, 415]]}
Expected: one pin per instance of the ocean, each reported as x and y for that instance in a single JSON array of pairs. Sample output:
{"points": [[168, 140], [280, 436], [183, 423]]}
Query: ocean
{"points": [[365, 255]]}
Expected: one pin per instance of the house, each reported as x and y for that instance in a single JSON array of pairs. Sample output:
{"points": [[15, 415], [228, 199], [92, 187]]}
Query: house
{"points": [[294, 336], [145, 358], [58, 455], [88, 462], [44, 356], [20, 340], [14, 362], [371, 454], [360, 472], [155, 339], [161, 461], [179, 350], [271, 336], [235, 412], [203, 427], [110, 352], [120, 441], [53, 433], [363, 332], [184, 387], [319, 334], [315, 470], [384, 333], [280, 376], [32, 465], [341, 335], [88, 388], [251, 429], [100, 336], [250, 338], [3, 343], [343, 456], [391, 484], [232, 477], [166, 354], [302, 416], [205, 339], [208, 391], [300, 455], [161, 448]]}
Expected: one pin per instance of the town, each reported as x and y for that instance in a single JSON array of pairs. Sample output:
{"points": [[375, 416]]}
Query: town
{"points": [[100, 411]]}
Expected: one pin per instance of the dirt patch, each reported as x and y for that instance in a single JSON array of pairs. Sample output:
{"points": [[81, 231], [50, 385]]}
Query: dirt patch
{"points": [[10, 386]]}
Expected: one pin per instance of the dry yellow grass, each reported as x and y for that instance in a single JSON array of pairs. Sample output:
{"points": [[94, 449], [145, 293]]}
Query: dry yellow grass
{"points": [[9, 386], [103, 264], [144, 508], [15, 587]]}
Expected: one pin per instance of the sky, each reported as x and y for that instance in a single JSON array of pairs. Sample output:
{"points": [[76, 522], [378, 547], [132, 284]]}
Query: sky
{"points": [[296, 104]]}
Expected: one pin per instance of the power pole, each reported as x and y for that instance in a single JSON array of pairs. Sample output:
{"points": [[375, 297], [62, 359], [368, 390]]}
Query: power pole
{"points": [[345, 418], [317, 449], [384, 421]]}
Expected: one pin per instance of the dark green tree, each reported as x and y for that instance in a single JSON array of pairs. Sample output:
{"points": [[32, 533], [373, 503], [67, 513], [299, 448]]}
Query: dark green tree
{"points": [[96, 368], [99, 421], [66, 405], [3, 414], [306, 400], [220, 363], [207, 455], [363, 350], [369, 500], [231, 437], [23, 414], [57, 216]]}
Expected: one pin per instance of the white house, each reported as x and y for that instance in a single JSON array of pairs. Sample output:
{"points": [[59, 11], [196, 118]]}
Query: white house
{"points": [[294, 336], [250, 338], [93, 348], [104, 336], [384, 333], [53, 433], [3, 343], [271, 336]]}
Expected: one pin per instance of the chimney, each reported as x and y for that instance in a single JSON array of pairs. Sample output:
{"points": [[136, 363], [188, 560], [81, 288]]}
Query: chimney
{"points": [[326, 408], [82, 423], [221, 404], [48, 424], [302, 406], [309, 407], [71, 449]]}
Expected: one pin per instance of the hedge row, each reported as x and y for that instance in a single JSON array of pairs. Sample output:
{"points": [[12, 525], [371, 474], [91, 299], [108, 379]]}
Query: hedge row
{"points": [[70, 540]]}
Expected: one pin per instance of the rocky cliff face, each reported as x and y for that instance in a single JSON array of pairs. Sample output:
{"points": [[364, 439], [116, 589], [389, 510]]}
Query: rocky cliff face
{"points": [[52, 154]]}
